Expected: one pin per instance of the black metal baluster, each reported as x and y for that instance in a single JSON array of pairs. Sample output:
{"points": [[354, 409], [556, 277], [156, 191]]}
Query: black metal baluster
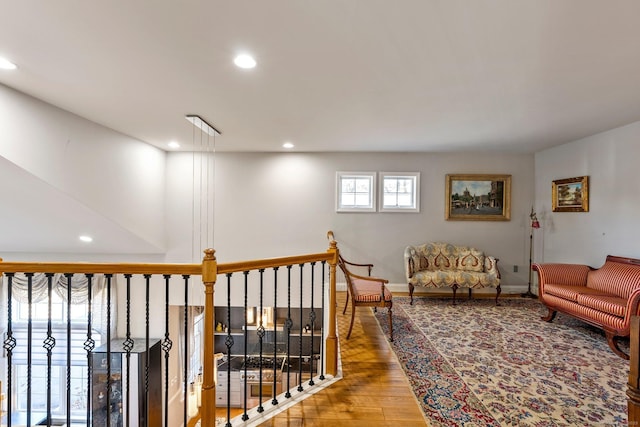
{"points": [[245, 417], [312, 322], [274, 401], [228, 341], [166, 348], [288, 325], [147, 279], [109, 384], [300, 359], [127, 346], [324, 269], [260, 333], [48, 344], [9, 344], [29, 344], [89, 343], [68, 276], [186, 348]]}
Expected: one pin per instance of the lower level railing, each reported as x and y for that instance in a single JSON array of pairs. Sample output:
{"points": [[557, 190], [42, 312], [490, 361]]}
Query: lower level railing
{"points": [[149, 345]]}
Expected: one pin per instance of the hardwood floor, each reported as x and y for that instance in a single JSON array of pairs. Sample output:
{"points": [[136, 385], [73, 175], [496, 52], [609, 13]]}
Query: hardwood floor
{"points": [[374, 390]]}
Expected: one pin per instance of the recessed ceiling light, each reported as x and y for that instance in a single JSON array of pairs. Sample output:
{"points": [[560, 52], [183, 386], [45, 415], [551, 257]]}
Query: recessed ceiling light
{"points": [[288, 145], [5, 64], [244, 61], [86, 239], [174, 144]]}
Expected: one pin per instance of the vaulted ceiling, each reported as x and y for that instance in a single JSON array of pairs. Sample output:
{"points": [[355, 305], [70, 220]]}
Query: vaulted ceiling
{"points": [[334, 75]]}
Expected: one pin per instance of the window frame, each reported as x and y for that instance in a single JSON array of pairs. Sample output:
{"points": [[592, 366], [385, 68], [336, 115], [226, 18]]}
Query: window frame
{"points": [[415, 176], [371, 207]]}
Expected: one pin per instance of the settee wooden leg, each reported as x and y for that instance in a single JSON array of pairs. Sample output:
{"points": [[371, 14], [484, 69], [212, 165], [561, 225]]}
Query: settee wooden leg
{"points": [[411, 293], [612, 340], [455, 288], [498, 291], [550, 316]]}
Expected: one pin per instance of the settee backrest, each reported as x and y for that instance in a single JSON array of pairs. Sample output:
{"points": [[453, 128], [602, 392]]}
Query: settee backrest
{"points": [[615, 277], [445, 256]]}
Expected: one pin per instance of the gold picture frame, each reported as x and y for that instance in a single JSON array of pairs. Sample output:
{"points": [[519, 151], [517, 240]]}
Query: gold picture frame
{"points": [[478, 197], [570, 194]]}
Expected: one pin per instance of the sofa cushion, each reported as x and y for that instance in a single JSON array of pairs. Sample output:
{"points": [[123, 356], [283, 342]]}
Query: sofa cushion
{"points": [[470, 259], [607, 303], [474, 279], [615, 278], [438, 256], [433, 279], [570, 292]]}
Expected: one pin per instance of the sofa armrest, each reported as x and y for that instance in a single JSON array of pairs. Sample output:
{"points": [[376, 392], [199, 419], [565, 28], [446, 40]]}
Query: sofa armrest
{"points": [[411, 261], [633, 305], [561, 274], [491, 265]]}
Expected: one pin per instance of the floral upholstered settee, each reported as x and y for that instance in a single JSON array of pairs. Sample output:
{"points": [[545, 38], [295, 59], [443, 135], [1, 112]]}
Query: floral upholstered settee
{"points": [[440, 265], [606, 297]]}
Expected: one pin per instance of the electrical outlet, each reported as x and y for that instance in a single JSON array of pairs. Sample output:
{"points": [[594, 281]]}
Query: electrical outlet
{"points": [[515, 268]]}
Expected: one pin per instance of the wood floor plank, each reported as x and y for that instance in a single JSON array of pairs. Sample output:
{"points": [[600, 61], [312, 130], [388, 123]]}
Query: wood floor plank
{"points": [[374, 391]]}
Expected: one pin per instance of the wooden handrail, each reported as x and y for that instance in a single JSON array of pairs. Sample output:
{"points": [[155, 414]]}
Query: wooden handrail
{"points": [[102, 268], [142, 268]]}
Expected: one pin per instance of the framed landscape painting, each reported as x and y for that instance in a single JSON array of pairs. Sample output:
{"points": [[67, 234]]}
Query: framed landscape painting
{"points": [[570, 195], [478, 197]]}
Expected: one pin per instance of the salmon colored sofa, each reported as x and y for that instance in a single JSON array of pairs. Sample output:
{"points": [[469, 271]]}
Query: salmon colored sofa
{"points": [[606, 297]]}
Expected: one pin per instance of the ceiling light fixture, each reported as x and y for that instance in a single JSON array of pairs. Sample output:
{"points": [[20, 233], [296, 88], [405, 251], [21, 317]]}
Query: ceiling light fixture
{"points": [[86, 239], [174, 144], [244, 61], [202, 124], [5, 64], [288, 145]]}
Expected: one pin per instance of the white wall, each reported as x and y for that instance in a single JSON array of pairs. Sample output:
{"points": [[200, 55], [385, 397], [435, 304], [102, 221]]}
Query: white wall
{"points": [[118, 177], [278, 204], [610, 159]]}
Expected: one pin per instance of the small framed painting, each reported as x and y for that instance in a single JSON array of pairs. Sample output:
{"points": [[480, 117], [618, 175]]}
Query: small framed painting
{"points": [[570, 194], [478, 197]]}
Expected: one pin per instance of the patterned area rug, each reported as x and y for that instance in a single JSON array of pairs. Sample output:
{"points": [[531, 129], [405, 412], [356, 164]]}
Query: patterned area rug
{"points": [[476, 364]]}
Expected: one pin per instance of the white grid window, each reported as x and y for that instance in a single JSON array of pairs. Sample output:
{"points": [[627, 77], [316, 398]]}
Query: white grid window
{"points": [[78, 379], [356, 192], [400, 191]]}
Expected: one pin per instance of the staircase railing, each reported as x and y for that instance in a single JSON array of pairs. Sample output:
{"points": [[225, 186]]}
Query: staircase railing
{"points": [[132, 274]]}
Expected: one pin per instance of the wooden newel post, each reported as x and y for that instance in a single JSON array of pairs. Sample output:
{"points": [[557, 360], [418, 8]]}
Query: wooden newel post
{"points": [[633, 386], [209, 275], [332, 339]]}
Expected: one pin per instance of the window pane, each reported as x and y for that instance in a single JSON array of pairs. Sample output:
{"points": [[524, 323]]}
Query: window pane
{"points": [[348, 199], [38, 388]]}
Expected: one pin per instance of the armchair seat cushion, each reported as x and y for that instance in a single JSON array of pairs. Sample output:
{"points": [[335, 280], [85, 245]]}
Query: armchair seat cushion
{"points": [[368, 291]]}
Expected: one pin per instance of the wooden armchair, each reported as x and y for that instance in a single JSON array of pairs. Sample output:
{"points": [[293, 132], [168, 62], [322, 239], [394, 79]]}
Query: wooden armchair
{"points": [[365, 291]]}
